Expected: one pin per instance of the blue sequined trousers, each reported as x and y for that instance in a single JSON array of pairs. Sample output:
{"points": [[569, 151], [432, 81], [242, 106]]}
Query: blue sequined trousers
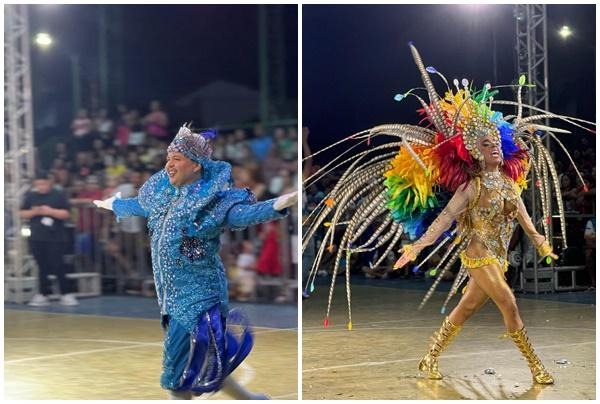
{"points": [[201, 360], [184, 225]]}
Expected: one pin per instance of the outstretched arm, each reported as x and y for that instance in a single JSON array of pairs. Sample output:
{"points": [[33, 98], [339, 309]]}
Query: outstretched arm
{"points": [[536, 238], [122, 207], [243, 215], [457, 205]]}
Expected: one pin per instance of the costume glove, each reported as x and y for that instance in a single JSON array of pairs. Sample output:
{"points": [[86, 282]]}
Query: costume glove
{"points": [[285, 201], [107, 203]]}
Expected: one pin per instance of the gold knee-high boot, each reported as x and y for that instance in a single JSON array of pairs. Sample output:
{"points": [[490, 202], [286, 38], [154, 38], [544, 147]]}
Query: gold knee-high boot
{"points": [[539, 373], [440, 340]]}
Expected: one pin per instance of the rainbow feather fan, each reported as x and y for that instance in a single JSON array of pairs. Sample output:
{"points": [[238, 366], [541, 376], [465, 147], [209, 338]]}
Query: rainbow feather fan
{"points": [[410, 189]]}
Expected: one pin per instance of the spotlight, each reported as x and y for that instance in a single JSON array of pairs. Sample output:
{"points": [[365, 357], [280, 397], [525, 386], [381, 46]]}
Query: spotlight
{"points": [[565, 32], [43, 40]]}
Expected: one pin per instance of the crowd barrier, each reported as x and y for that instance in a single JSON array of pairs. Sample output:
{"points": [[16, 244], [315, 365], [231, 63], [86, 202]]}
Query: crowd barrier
{"points": [[104, 256]]}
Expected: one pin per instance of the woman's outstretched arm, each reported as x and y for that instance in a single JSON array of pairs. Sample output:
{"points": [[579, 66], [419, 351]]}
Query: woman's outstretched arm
{"points": [[457, 205]]}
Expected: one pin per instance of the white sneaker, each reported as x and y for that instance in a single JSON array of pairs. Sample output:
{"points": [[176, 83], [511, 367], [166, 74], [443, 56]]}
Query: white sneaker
{"points": [[68, 300], [38, 301]]}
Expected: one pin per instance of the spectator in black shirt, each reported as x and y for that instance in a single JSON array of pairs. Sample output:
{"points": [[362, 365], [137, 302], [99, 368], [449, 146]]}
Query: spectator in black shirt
{"points": [[47, 209]]}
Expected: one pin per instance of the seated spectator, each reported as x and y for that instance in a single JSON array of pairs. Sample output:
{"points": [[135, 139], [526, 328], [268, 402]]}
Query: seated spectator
{"points": [[272, 163], [157, 163], [243, 178], [118, 168], [156, 122], [98, 145], [110, 187], [133, 161], [290, 183], [261, 144], [83, 164], [104, 126], [122, 137], [151, 152], [137, 135], [286, 143], [246, 279], [236, 149], [282, 183], [569, 192], [82, 128], [109, 156], [76, 187], [60, 174], [62, 152], [219, 148], [230, 148]]}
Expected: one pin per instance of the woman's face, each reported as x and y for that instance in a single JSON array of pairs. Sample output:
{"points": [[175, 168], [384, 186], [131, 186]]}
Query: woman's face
{"points": [[491, 150], [565, 181]]}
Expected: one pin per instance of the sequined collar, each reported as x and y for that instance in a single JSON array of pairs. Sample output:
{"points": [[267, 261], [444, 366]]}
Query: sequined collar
{"points": [[157, 192], [190, 188]]}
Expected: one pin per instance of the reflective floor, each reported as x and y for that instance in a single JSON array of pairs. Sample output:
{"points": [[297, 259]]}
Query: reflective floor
{"points": [[378, 359], [80, 356]]}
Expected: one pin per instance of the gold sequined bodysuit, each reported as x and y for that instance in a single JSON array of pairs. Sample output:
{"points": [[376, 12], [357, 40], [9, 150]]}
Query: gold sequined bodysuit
{"points": [[485, 209]]}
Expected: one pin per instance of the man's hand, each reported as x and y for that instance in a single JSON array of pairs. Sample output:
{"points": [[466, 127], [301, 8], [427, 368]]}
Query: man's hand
{"points": [[107, 203], [45, 210], [285, 201]]}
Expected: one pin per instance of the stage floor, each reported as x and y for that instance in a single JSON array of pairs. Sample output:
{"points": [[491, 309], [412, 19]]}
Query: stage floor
{"points": [[78, 356], [378, 359]]}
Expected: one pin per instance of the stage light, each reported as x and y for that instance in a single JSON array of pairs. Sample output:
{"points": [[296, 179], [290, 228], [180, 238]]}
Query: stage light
{"points": [[565, 32], [43, 40]]}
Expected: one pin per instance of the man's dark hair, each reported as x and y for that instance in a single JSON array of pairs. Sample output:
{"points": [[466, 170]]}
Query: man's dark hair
{"points": [[41, 175]]}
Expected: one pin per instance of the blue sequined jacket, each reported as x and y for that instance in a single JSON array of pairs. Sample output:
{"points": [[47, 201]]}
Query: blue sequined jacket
{"points": [[184, 225]]}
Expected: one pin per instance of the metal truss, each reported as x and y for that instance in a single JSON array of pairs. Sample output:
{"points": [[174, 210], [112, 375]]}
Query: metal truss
{"points": [[19, 160], [532, 60]]}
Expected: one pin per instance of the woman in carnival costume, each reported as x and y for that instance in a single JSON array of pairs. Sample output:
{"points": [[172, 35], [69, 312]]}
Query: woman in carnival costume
{"points": [[187, 204], [478, 155]]}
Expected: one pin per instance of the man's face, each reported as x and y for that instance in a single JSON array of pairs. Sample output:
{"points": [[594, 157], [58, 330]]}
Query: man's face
{"points": [[181, 170], [42, 185]]}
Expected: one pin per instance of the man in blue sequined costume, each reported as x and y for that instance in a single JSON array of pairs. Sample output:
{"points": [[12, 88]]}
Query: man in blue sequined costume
{"points": [[187, 205]]}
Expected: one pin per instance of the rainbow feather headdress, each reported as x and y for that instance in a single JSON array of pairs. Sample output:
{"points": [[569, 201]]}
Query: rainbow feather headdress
{"points": [[400, 186]]}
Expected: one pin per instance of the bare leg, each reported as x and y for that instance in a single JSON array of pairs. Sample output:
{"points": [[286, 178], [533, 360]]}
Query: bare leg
{"points": [[491, 281], [468, 305]]}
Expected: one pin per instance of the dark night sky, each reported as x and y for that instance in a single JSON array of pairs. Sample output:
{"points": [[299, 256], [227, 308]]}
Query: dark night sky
{"points": [[356, 58], [170, 50]]}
